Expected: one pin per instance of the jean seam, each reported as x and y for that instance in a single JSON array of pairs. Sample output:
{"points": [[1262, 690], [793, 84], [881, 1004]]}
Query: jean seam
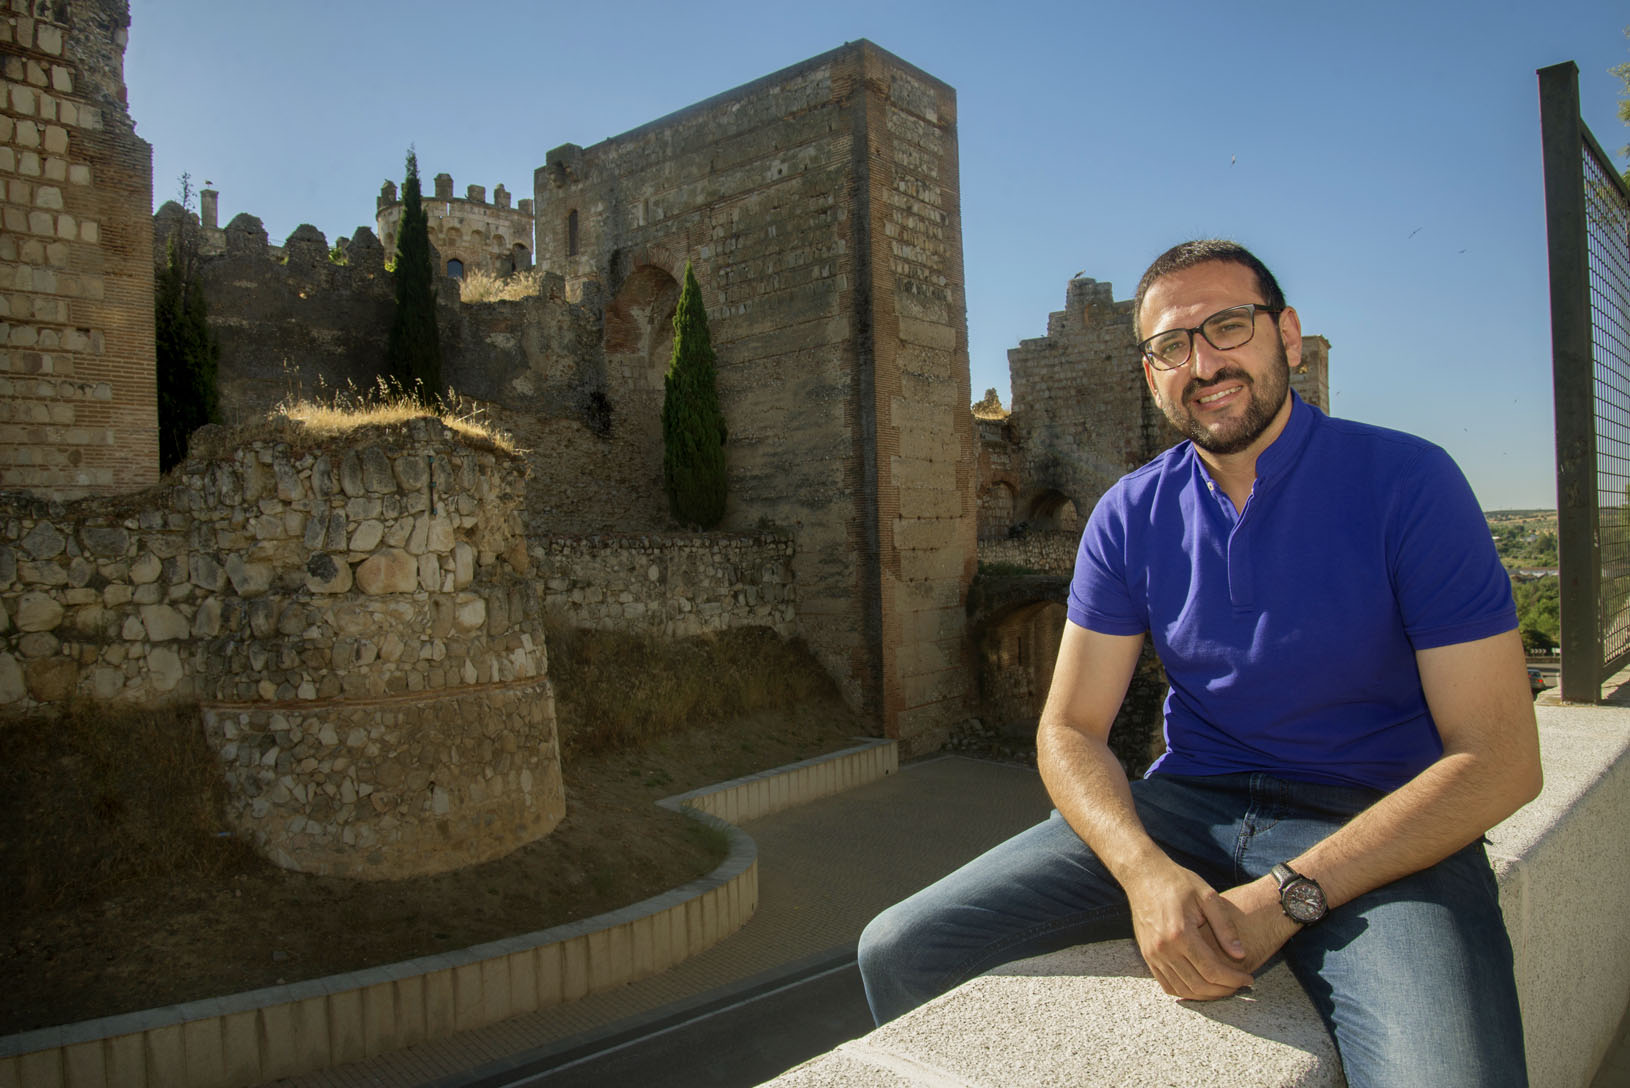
{"points": [[995, 954]]}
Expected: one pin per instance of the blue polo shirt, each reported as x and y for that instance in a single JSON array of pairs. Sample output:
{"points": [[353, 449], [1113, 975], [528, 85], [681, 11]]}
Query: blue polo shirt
{"points": [[1288, 631]]}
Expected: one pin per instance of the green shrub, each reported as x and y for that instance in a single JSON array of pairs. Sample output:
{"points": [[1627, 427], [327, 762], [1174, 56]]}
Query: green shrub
{"points": [[693, 430]]}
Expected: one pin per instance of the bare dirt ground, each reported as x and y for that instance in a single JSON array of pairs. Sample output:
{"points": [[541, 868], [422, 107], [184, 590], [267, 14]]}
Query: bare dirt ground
{"points": [[180, 936]]}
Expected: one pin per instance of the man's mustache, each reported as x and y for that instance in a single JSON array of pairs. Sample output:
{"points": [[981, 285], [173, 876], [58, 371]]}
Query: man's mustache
{"points": [[1198, 388]]}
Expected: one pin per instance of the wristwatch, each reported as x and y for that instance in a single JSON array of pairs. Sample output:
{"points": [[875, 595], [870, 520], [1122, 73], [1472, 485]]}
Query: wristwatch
{"points": [[1300, 896]]}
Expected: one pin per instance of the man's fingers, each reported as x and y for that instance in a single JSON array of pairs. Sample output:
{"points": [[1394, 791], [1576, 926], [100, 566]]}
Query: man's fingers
{"points": [[1219, 913]]}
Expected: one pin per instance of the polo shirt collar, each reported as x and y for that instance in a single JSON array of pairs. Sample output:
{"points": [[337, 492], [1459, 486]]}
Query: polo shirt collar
{"points": [[1286, 450]]}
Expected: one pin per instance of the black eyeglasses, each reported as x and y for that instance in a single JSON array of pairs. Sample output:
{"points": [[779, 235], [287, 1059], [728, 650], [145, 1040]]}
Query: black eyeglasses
{"points": [[1223, 330]]}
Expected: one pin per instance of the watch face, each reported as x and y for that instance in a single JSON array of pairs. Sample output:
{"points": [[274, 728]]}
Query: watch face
{"points": [[1303, 901]]}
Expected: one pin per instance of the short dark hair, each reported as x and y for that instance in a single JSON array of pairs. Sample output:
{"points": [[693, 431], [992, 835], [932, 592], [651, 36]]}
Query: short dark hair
{"points": [[1202, 251]]}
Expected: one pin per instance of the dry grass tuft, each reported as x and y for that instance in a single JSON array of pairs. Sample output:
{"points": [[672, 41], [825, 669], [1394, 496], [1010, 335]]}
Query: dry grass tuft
{"points": [[479, 286], [337, 413], [100, 802], [617, 691]]}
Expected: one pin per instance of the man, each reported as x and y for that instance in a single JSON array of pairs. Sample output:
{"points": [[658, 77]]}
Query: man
{"points": [[1349, 713]]}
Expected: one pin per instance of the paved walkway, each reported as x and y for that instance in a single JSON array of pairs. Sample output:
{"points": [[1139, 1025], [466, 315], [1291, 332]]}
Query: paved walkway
{"points": [[825, 870]]}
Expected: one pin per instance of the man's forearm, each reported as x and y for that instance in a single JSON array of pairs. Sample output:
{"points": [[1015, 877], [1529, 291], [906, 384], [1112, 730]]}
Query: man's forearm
{"points": [[1441, 810], [1088, 785]]}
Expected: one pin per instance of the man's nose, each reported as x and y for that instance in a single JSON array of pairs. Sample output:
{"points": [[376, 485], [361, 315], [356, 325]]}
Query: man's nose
{"points": [[1204, 359]]}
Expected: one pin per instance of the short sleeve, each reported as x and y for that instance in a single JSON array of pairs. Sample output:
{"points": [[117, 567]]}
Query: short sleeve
{"points": [[1450, 584], [1102, 598]]}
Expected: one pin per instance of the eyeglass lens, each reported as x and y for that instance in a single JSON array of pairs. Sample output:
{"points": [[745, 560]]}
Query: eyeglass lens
{"points": [[1230, 328]]}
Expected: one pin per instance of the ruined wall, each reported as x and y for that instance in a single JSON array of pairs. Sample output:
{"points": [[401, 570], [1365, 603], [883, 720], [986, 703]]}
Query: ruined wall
{"points": [[358, 622], [819, 206], [78, 411], [676, 585], [293, 322], [482, 237]]}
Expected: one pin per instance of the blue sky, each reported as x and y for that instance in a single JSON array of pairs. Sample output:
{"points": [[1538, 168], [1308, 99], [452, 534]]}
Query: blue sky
{"points": [[1382, 157]]}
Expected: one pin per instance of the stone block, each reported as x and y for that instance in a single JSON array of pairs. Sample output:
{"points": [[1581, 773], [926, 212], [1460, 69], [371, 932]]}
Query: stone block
{"points": [[574, 968], [240, 1047], [164, 1054], [205, 1055], [347, 1032], [84, 1065]]}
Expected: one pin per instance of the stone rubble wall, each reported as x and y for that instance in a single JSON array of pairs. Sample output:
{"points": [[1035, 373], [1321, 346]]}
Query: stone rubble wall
{"points": [[1048, 552], [358, 622], [674, 585]]}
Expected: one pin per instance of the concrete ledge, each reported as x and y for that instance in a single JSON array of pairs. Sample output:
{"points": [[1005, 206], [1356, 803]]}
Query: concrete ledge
{"points": [[282, 1031], [1092, 1015]]}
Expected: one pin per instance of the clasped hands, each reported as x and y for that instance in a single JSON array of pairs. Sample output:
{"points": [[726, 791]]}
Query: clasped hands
{"points": [[1199, 943]]}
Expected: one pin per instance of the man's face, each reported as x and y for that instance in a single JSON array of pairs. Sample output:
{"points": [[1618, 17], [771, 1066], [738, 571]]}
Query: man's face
{"points": [[1225, 401]]}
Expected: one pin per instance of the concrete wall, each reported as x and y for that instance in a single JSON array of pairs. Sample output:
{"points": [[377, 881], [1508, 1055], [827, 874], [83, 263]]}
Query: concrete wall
{"points": [[78, 403], [819, 207]]}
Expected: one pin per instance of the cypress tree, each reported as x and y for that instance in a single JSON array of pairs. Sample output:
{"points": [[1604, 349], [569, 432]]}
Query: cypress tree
{"points": [[413, 357], [693, 430], [187, 354]]}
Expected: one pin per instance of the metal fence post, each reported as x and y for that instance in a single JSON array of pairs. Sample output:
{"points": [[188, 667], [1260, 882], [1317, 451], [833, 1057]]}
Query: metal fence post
{"points": [[1572, 378]]}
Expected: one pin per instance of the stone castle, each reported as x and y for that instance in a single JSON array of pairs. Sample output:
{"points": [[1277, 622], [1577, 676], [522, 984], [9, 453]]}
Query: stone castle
{"points": [[820, 210]]}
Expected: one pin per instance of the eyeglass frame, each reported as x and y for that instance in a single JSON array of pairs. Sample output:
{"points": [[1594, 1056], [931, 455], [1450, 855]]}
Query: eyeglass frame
{"points": [[1254, 307]]}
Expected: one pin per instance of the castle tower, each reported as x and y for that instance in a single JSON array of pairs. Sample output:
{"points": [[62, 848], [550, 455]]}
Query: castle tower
{"points": [[470, 234], [820, 209], [78, 414]]}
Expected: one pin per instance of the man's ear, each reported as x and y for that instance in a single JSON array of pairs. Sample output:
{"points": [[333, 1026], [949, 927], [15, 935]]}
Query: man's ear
{"points": [[1290, 334], [1149, 377]]}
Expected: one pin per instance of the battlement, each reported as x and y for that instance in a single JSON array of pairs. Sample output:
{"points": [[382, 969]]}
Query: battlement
{"points": [[470, 234]]}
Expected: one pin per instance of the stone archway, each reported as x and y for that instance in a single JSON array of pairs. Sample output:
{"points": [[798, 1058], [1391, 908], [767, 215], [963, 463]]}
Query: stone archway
{"points": [[1053, 511]]}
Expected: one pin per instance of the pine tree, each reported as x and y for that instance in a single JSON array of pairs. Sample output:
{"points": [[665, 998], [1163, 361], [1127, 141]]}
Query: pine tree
{"points": [[187, 354], [693, 430], [413, 357]]}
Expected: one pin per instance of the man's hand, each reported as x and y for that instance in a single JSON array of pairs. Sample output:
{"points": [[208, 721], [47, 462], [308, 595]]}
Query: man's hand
{"points": [[1188, 933]]}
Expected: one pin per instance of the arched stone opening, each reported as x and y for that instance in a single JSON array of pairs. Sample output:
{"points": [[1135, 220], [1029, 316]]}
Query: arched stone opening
{"points": [[1017, 648], [639, 327], [1053, 511], [996, 511]]}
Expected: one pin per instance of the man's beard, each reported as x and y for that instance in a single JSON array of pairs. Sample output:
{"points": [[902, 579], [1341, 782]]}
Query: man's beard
{"points": [[1266, 400]]}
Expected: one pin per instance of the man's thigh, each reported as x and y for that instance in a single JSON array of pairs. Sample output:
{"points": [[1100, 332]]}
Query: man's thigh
{"points": [[1040, 891], [1415, 982]]}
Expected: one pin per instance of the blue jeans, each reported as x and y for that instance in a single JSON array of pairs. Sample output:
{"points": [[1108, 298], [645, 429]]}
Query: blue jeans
{"points": [[1413, 980]]}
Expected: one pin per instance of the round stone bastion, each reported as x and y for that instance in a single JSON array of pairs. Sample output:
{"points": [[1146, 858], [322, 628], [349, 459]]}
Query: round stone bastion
{"points": [[374, 676]]}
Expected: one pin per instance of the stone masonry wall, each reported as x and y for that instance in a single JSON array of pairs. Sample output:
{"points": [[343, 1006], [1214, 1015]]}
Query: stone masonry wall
{"points": [[78, 403], [674, 585], [1048, 552], [358, 622], [291, 322], [819, 207]]}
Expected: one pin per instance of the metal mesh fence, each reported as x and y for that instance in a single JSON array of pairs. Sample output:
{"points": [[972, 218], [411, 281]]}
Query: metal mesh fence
{"points": [[1607, 247]]}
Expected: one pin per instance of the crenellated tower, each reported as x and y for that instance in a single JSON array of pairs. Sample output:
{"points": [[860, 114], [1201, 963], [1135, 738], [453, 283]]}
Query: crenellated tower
{"points": [[470, 234]]}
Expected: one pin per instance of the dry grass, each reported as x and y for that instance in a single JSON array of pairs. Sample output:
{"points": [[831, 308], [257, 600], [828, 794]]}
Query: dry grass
{"points": [[330, 414], [100, 802], [386, 405], [479, 286], [617, 691]]}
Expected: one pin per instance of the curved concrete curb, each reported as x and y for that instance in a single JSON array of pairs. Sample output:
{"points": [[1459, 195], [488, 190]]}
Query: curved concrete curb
{"points": [[282, 1031]]}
